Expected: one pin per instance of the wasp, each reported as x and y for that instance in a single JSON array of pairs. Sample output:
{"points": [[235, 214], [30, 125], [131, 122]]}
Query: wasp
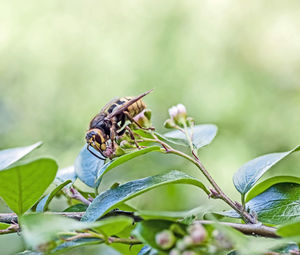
{"points": [[110, 123]]}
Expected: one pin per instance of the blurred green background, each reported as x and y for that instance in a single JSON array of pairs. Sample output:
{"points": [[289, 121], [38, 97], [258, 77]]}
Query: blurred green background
{"points": [[234, 64]]}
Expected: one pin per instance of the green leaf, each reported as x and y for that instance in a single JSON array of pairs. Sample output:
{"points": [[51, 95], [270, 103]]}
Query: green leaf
{"points": [[288, 230], [43, 204], [76, 208], [122, 159], [245, 178], [66, 246], [261, 187], [277, 205], [67, 173], [146, 231], [202, 135], [87, 167], [113, 225], [171, 216], [110, 198], [147, 250], [4, 225], [10, 156], [40, 228], [21, 186]]}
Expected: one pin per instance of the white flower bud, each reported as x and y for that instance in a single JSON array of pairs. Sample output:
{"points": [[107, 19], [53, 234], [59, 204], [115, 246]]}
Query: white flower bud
{"points": [[178, 114], [174, 252], [181, 109], [173, 112], [188, 241]]}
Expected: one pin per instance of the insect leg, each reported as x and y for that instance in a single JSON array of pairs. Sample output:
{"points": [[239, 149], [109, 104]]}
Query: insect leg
{"points": [[113, 132], [132, 137], [133, 121]]}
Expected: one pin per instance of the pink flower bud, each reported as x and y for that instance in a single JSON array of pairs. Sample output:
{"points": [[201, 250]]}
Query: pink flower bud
{"points": [[165, 239], [197, 233]]}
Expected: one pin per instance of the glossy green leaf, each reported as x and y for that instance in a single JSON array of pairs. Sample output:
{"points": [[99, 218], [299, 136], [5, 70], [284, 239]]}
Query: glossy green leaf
{"points": [[260, 187], [288, 230], [245, 178], [113, 225], [110, 198], [146, 231], [202, 135], [277, 205], [10, 156], [65, 174], [122, 159], [43, 204], [41, 228], [87, 167], [21, 186]]}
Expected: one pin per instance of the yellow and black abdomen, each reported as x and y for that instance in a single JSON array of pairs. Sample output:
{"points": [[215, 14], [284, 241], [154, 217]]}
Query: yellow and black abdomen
{"points": [[132, 109], [136, 107]]}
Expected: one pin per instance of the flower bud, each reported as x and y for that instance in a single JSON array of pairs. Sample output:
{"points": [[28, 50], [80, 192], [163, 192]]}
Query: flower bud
{"points": [[174, 252], [190, 121], [189, 253], [169, 124], [178, 114], [188, 241], [165, 239], [180, 245], [197, 233], [143, 118]]}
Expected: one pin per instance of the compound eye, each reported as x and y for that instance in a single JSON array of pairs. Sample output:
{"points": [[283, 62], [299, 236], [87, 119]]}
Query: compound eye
{"points": [[98, 139]]}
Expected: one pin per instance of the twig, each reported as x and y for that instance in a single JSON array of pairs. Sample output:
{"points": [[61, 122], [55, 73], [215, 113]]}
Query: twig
{"points": [[234, 205], [75, 194], [11, 229], [111, 239], [248, 229]]}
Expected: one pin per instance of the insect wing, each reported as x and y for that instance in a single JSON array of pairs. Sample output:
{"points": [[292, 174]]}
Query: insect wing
{"points": [[127, 104]]}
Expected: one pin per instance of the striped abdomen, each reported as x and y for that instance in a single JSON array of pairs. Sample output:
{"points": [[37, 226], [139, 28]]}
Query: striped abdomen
{"points": [[133, 109]]}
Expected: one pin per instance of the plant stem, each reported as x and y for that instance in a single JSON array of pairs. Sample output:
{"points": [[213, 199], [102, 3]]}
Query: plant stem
{"points": [[248, 229], [75, 194], [220, 194], [111, 239]]}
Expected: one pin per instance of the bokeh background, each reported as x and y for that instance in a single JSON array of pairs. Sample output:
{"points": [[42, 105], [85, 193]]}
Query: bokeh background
{"points": [[232, 63]]}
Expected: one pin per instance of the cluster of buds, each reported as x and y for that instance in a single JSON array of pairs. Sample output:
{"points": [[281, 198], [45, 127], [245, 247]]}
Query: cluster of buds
{"points": [[178, 117], [182, 245]]}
